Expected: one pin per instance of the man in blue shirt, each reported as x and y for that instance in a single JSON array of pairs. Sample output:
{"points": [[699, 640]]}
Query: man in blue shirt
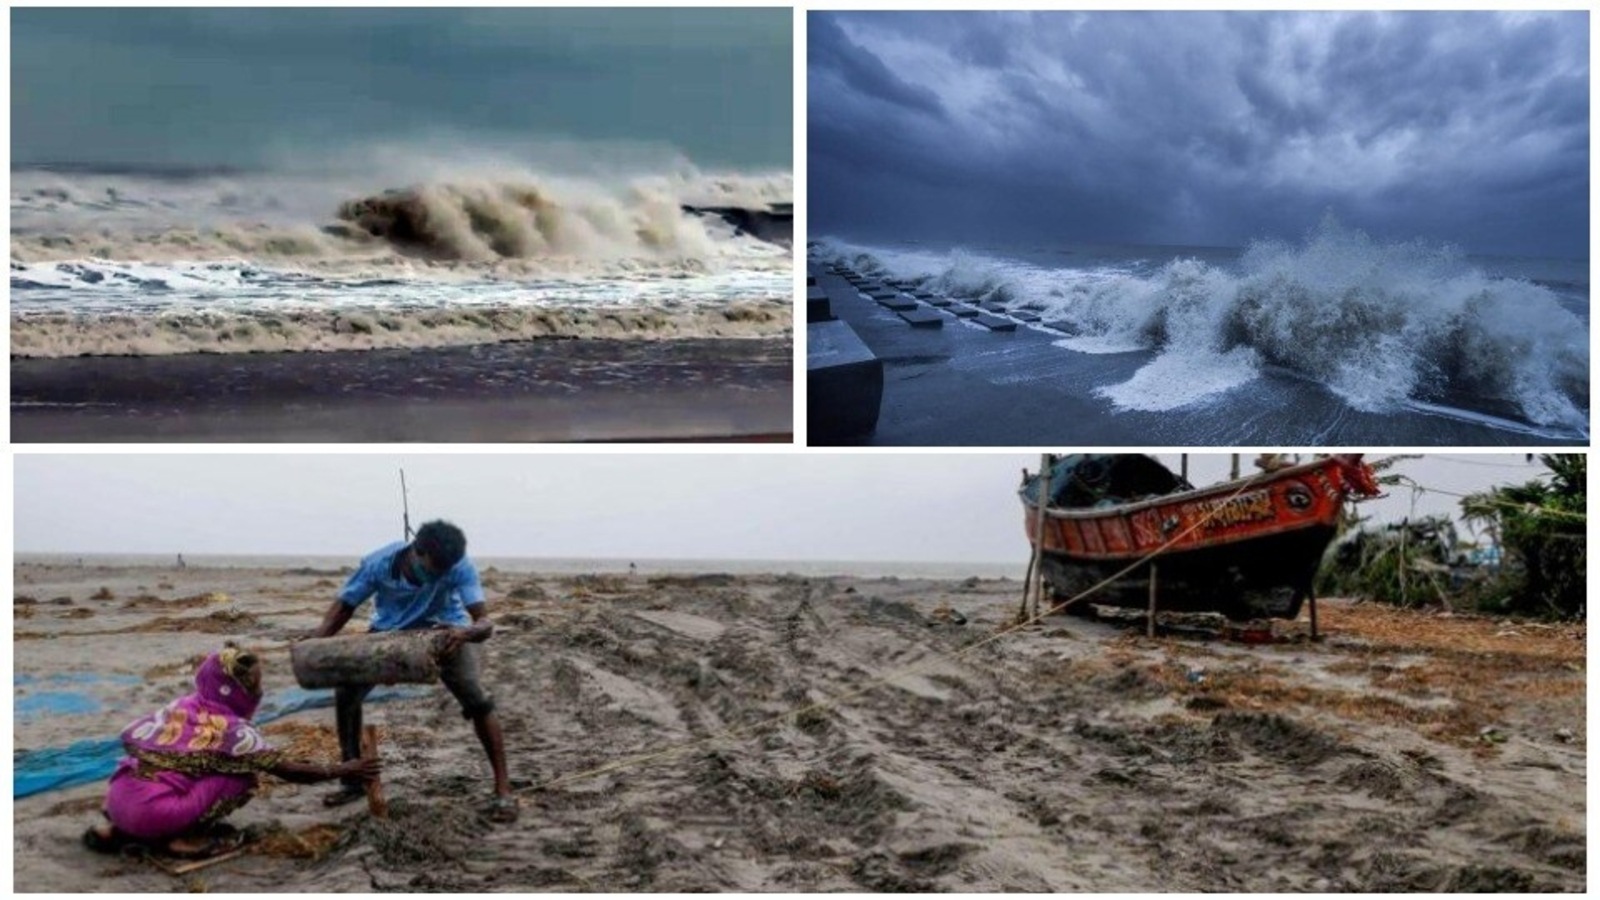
{"points": [[428, 583]]}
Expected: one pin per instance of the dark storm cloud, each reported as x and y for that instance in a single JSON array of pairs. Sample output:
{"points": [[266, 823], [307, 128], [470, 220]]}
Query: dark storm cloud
{"points": [[223, 86], [860, 71], [1201, 127]]}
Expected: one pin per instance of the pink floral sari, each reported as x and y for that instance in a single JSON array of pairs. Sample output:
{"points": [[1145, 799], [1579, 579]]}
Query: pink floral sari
{"points": [[192, 762]]}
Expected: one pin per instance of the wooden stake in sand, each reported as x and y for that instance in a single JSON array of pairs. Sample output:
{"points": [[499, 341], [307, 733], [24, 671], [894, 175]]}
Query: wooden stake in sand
{"points": [[1150, 618], [1034, 585], [376, 804]]}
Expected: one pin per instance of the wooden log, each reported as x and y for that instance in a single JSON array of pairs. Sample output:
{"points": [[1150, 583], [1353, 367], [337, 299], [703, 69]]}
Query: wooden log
{"points": [[376, 804], [402, 657]]}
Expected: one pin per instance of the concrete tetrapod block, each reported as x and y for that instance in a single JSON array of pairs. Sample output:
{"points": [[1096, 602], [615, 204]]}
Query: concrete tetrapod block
{"points": [[922, 318], [844, 384], [995, 323], [818, 309]]}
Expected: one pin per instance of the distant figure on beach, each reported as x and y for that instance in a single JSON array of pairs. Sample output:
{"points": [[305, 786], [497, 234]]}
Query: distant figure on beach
{"points": [[428, 583], [181, 563], [633, 569], [195, 761]]}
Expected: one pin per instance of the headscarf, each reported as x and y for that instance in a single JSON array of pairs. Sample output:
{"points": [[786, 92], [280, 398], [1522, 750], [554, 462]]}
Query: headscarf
{"points": [[208, 731]]}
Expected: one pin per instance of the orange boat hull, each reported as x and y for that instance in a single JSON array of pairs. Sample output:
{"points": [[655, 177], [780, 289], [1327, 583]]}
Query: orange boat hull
{"points": [[1246, 548]]}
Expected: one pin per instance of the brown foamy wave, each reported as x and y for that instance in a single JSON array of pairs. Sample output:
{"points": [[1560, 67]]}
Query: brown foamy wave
{"points": [[51, 335], [490, 221], [549, 224]]}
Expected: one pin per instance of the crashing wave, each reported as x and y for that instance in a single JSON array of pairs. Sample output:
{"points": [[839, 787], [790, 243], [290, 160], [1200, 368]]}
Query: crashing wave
{"points": [[1385, 326], [705, 220]]}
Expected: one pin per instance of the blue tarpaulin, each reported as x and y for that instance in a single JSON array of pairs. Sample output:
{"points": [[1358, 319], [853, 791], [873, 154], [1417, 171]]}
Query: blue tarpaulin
{"points": [[53, 768]]}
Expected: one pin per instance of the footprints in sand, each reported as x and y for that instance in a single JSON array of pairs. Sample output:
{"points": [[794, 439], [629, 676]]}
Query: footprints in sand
{"points": [[1061, 760]]}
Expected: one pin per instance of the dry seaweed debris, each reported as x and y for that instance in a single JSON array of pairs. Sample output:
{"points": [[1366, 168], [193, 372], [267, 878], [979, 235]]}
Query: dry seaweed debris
{"points": [[1461, 677], [588, 585], [151, 601], [1390, 629], [304, 740], [314, 842], [182, 667], [223, 621]]}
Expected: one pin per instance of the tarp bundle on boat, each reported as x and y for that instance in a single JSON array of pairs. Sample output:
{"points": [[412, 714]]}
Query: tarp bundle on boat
{"points": [[1088, 480]]}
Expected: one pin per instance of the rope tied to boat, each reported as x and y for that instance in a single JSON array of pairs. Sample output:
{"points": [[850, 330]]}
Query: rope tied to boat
{"points": [[1531, 508], [914, 667]]}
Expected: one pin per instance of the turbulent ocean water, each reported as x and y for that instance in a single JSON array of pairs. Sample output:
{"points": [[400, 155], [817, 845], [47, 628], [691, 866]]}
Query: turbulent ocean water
{"points": [[131, 261], [1385, 327]]}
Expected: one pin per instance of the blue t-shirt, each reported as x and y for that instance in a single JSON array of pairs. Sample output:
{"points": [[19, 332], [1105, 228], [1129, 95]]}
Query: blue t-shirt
{"points": [[400, 604]]}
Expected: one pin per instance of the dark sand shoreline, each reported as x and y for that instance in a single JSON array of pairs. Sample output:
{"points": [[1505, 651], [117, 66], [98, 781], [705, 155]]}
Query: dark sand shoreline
{"points": [[546, 390], [1075, 756], [962, 385]]}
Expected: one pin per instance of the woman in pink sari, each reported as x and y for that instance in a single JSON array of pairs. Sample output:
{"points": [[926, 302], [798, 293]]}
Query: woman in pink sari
{"points": [[196, 760]]}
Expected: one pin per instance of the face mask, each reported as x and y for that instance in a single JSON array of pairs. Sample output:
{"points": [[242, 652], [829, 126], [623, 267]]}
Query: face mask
{"points": [[419, 572]]}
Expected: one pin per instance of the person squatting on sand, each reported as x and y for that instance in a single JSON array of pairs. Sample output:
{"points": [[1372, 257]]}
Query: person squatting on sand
{"points": [[196, 760], [428, 583]]}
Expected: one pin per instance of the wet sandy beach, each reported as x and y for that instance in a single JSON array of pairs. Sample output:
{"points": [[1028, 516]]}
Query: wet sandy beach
{"points": [[1405, 752], [545, 390]]}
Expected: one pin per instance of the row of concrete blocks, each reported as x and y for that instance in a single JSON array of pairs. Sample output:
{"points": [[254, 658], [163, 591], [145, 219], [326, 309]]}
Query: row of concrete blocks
{"points": [[906, 301], [844, 378]]}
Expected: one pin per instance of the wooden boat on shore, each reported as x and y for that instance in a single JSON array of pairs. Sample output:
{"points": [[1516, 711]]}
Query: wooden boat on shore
{"points": [[1247, 548]]}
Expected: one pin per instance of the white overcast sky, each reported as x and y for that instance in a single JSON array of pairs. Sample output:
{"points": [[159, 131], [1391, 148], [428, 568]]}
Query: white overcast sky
{"points": [[816, 506]]}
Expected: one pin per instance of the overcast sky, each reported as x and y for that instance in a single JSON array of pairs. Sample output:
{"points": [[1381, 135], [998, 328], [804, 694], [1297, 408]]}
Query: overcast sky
{"points": [[1201, 128], [819, 506], [243, 87]]}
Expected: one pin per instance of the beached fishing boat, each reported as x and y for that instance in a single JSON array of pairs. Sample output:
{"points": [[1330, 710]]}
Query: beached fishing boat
{"points": [[1247, 548]]}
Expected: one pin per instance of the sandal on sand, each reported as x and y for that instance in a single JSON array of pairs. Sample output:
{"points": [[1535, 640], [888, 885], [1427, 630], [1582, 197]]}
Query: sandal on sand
{"points": [[344, 795], [504, 809]]}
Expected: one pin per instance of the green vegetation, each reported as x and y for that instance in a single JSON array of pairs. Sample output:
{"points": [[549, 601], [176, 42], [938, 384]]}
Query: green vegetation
{"points": [[1539, 528]]}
